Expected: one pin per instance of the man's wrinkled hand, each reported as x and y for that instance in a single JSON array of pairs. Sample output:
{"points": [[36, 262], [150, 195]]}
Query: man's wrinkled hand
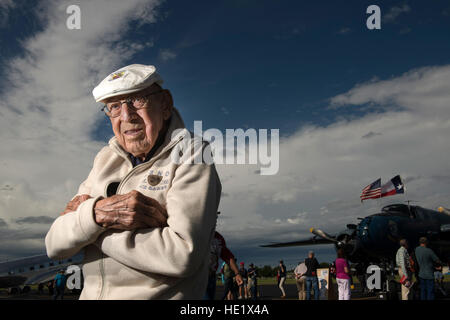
{"points": [[130, 211], [75, 202]]}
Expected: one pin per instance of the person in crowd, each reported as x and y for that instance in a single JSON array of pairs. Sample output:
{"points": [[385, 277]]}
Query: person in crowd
{"points": [[253, 281], [50, 287], [311, 276], [427, 260], [403, 261], [231, 282], [40, 288], [343, 275], [220, 250], [243, 290], [438, 276], [60, 285], [300, 279], [282, 276]]}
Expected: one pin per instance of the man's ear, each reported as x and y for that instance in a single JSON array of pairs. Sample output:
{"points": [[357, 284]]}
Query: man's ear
{"points": [[167, 104]]}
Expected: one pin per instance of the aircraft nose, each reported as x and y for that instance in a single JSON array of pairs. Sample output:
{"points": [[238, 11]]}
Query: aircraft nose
{"points": [[363, 228]]}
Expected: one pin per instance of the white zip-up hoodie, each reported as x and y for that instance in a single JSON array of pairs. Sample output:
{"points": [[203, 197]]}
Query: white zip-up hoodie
{"points": [[149, 263]]}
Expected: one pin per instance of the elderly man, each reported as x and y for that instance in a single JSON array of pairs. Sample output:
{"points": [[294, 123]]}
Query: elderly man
{"points": [[403, 261], [144, 221]]}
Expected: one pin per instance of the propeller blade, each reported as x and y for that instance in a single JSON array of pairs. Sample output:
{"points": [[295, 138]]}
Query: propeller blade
{"points": [[323, 235]]}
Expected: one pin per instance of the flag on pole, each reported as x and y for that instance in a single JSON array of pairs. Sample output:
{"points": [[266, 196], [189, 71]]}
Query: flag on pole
{"points": [[372, 191], [393, 187]]}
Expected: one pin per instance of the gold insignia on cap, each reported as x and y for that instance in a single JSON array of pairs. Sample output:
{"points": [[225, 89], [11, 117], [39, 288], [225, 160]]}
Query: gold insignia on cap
{"points": [[117, 75], [154, 179]]}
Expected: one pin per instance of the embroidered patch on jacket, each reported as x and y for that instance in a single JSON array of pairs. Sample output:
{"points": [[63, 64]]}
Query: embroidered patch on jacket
{"points": [[154, 179]]}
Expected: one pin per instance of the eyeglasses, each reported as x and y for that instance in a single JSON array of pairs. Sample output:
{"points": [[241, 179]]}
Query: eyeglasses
{"points": [[114, 109]]}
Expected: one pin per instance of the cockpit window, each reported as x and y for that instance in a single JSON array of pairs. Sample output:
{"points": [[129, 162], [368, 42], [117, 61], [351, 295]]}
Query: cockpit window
{"points": [[397, 210], [426, 213]]}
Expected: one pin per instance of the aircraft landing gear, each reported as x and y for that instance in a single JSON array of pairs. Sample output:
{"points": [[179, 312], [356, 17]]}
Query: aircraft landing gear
{"points": [[391, 288]]}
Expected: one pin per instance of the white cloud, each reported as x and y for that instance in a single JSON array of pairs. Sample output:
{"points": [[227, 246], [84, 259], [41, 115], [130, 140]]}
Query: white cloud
{"points": [[47, 115], [167, 54], [5, 7], [394, 12], [299, 218], [6, 4], [424, 91]]}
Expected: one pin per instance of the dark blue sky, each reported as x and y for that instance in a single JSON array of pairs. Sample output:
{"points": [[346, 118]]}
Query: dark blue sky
{"points": [[274, 64]]}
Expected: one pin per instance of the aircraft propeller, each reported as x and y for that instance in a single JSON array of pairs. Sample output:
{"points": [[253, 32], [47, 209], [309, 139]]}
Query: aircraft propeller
{"points": [[324, 235]]}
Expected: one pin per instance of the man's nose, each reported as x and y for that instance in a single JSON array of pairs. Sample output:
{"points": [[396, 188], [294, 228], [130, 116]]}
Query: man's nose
{"points": [[126, 112]]}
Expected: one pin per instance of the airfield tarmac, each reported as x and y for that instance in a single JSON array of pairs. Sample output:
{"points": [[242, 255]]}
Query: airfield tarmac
{"points": [[266, 292], [272, 292]]}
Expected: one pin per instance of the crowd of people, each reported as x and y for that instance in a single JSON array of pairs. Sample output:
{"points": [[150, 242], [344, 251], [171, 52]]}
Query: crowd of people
{"points": [[424, 264], [241, 283], [238, 282]]}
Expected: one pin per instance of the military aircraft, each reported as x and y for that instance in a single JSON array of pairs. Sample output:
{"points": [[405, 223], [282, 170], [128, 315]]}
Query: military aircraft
{"points": [[375, 239], [17, 275]]}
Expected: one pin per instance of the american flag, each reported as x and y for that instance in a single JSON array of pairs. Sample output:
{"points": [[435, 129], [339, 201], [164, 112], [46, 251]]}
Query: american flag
{"points": [[372, 191]]}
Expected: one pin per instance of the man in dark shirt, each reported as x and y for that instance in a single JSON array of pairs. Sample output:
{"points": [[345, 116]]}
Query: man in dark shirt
{"points": [[243, 293], [426, 259], [60, 285], [311, 276], [253, 282]]}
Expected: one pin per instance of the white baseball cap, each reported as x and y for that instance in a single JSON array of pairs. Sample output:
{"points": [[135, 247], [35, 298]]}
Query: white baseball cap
{"points": [[129, 79]]}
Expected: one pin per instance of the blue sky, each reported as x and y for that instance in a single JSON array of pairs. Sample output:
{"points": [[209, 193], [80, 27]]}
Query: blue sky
{"points": [[351, 104], [275, 63]]}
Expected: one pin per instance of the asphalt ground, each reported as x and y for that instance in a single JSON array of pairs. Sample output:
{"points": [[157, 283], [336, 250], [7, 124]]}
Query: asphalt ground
{"points": [[265, 292], [272, 292]]}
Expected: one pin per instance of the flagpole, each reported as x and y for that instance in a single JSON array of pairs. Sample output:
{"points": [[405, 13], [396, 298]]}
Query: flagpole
{"points": [[404, 189], [406, 197], [379, 199]]}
